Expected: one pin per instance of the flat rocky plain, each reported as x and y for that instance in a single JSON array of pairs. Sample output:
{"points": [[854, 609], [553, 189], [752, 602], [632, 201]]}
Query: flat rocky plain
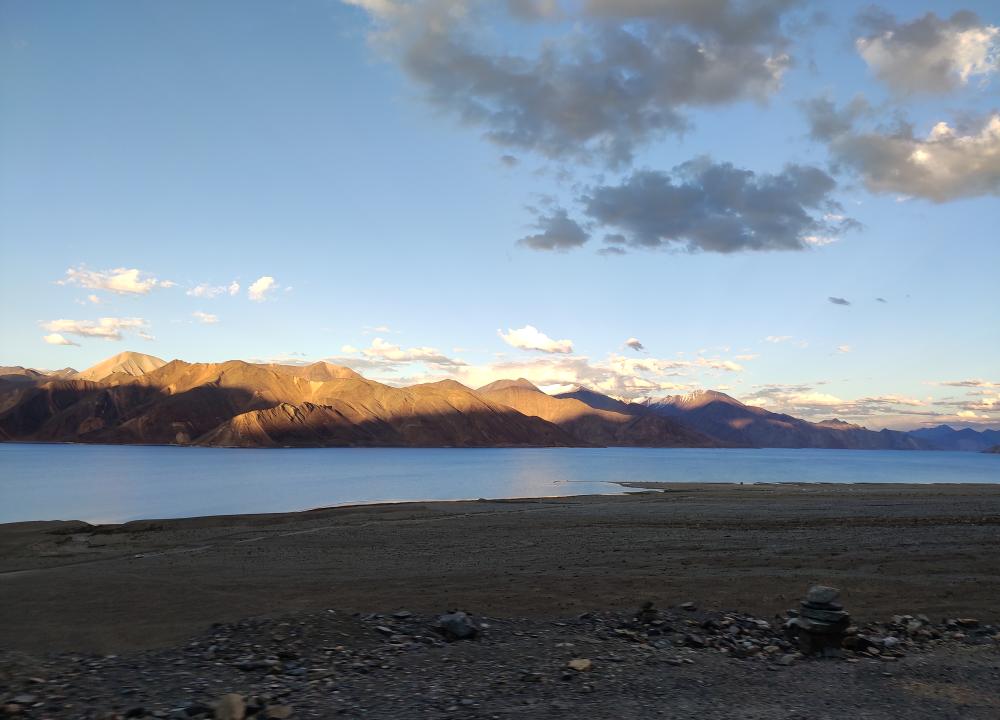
{"points": [[333, 612]]}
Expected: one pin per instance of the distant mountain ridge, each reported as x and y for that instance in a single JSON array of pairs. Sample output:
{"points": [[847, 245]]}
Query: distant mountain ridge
{"points": [[139, 398], [945, 437], [726, 418]]}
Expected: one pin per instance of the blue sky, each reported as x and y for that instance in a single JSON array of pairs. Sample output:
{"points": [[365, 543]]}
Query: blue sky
{"points": [[206, 144]]}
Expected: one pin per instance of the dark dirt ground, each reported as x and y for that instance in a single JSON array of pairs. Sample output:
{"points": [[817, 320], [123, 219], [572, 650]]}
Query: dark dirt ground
{"points": [[146, 591]]}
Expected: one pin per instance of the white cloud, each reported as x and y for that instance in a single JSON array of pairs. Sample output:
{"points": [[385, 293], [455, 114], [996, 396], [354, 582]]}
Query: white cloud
{"points": [[778, 338], [635, 344], [94, 299], [391, 355], [57, 339], [748, 356], [947, 164], [204, 317], [844, 349], [108, 328], [530, 338], [234, 288], [932, 54], [123, 281], [261, 287]]}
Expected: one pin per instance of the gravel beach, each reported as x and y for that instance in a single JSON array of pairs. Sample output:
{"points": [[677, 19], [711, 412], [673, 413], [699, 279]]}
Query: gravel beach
{"points": [[181, 604]]}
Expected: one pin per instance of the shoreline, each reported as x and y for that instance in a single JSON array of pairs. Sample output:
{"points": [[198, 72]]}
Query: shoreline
{"points": [[891, 549], [628, 488]]}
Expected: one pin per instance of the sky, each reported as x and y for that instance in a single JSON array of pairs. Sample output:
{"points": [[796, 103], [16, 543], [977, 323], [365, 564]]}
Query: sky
{"points": [[793, 202]]}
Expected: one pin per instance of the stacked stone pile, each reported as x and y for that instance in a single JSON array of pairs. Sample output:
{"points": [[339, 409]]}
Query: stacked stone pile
{"points": [[821, 623]]}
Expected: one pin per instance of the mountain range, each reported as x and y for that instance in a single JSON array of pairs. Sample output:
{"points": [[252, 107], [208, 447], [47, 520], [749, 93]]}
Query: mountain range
{"points": [[137, 398]]}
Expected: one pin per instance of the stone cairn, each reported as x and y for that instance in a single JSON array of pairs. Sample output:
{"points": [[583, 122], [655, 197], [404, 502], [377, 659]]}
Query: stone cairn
{"points": [[820, 624]]}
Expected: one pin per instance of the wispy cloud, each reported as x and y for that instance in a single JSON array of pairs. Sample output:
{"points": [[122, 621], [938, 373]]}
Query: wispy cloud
{"points": [[385, 355], [122, 281], [204, 317], [838, 300], [108, 328], [205, 290]]}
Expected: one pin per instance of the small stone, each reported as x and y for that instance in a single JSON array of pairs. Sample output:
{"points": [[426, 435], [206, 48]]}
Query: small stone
{"points": [[689, 606], [786, 660], [230, 707], [384, 630], [695, 641], [457, 626], [25, 699], [277, 712], [402, 614], [822, 595], [580, 664], [196, 708], [11, 709]]}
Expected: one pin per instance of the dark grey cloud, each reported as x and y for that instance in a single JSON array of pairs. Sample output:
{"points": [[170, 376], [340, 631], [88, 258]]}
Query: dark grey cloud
{"points": [[929, 54], [881, 300], [716, 207], [734, 22], [948, 163], [635, 344], [839, 301], [617, 75], [509, 160], [534, 9], [557, 231], [827, 121]]}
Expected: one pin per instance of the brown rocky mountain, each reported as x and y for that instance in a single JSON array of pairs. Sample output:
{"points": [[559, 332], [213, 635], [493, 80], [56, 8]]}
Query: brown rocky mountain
{"points": [[724, 417], [592, 425], [131, 364], [241, 404], [136, 398]]}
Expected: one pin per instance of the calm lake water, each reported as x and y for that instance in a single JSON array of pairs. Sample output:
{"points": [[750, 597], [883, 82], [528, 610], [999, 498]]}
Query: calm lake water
{"points": [[118, 483]]}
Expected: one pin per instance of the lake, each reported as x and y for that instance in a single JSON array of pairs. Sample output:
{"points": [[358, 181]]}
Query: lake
{"points": [[100, 483]]}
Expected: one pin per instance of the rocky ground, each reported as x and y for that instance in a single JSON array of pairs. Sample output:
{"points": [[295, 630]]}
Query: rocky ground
{"points": [[681, 662]]}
